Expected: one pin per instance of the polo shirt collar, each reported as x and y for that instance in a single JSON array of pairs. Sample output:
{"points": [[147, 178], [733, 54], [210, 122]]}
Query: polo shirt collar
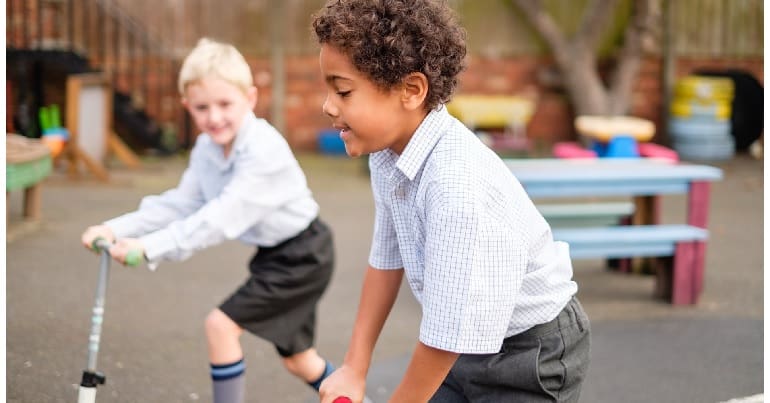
{"points": [[248, 124], [422, 142]]}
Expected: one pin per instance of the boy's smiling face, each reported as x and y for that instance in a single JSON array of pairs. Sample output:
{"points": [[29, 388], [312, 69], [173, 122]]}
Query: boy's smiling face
{"points": [[218, 107], [369, 118]]}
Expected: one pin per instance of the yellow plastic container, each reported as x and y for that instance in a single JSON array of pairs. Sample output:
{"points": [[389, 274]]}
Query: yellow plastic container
{"points": [[487, 111], [704, 89], [687, 108]]}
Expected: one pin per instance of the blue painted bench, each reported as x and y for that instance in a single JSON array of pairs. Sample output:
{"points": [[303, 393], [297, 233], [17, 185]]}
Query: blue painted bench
{"points": [[628, 240], [675, 247], [586, 214], [593, 214], [677, 250]]}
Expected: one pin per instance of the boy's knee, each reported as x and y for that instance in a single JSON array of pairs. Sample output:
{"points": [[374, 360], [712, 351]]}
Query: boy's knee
{"points": [[217, 324], [300, 363], [291, 364]]}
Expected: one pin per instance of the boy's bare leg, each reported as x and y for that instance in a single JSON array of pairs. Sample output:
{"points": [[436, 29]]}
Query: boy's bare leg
{"points": [[226, 358], [223, 337], [307, 365]]}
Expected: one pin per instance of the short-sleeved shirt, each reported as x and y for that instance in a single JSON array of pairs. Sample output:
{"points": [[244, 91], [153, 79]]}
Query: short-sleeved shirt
{"points": [[477, 254], [257, 194]]}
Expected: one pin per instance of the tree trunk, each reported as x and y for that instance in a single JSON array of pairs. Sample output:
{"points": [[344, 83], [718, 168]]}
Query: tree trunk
{"points": [[584, 85], [577, 59]]}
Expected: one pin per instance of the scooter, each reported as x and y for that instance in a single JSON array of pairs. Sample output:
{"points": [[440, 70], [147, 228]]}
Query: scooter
{"points": [[91, 377]]}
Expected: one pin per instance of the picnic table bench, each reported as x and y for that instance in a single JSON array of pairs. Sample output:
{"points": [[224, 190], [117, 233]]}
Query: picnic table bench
{"points": [[27, 163], [679, 249]]}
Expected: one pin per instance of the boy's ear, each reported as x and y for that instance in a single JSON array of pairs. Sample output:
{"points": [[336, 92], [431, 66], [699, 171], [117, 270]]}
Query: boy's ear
{"points": [[252, 94], [415, 89]]}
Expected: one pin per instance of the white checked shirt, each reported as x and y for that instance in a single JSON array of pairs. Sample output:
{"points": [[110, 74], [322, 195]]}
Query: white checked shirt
{"points": [[258, 194], [477, 254]]}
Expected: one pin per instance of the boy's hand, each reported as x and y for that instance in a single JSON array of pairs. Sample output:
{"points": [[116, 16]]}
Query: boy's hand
{"points": [[123, 246], [343, 382], [96, 231]]}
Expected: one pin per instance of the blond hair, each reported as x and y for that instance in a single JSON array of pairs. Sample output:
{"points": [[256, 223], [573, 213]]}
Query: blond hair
{"points": [[210, 58]]}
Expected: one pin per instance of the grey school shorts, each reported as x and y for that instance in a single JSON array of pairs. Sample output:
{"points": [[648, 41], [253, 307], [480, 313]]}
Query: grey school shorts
{"points": [[278, 300], [546, 363]]}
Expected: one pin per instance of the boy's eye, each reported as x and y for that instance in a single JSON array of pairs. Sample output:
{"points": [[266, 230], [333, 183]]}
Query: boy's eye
{"points": [[343, 94], [201, 107]]}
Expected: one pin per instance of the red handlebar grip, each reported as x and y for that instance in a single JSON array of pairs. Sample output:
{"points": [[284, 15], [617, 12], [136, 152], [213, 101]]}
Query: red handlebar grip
{"points": [[342, 399]]}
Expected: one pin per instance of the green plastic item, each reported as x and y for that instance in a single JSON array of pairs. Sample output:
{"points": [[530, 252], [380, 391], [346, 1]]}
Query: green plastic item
{"points": [[54, 116], [44, 118], [25, 174], [49, 117]]}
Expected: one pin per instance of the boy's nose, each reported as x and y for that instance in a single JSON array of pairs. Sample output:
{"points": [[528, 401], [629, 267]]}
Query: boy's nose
{"points": [[329, 109], [215, 115]]}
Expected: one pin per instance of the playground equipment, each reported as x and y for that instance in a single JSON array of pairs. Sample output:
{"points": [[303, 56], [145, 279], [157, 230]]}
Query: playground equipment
{"points": [[700, 118], [55, 136], [614, 137], [507, 115]]}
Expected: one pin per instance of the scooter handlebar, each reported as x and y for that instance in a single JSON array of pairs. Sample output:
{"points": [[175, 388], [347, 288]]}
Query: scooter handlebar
{"points": [[133, 258]]}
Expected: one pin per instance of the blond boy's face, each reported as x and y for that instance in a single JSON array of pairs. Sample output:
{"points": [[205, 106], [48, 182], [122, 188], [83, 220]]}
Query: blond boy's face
{"points": [[369, 118], [218, 108]]}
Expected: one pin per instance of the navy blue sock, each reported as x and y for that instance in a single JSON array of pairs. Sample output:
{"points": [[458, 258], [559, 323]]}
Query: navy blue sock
{"points": [[228, 382], [327, 371]]}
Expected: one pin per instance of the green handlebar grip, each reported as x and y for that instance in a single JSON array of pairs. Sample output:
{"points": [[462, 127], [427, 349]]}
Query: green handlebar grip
{"points": [[134, 258], [99, 243]]}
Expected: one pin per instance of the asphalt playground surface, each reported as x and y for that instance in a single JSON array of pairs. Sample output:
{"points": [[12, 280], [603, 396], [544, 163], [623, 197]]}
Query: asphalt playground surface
{"points": [[153, 347]]}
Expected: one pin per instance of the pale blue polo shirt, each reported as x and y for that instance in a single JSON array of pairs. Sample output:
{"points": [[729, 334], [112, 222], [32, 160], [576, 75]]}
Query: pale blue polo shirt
{"points": [[258, 194]]}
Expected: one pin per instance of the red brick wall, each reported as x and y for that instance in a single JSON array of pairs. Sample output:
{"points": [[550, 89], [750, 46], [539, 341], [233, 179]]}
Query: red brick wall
{"points": [[552, 120]]}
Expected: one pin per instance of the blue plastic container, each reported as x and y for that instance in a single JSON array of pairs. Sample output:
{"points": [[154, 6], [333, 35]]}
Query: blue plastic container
{"points": [[617, 147], [329, 142]]}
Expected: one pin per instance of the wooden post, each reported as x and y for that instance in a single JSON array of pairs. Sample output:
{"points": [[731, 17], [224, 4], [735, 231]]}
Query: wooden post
{"points": [[697, 215], [32, 202]]}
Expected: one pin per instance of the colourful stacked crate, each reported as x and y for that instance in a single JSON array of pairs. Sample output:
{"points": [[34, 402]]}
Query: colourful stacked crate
{"points": [[700, 118]]}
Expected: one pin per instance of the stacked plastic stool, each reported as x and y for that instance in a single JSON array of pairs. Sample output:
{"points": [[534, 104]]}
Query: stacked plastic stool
{"points": [[615, 136], [700, 118]]}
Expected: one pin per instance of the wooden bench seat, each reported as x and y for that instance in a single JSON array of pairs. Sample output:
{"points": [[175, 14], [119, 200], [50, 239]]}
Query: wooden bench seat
{"points": [[27, 164], [679, 276], [587, 214]]}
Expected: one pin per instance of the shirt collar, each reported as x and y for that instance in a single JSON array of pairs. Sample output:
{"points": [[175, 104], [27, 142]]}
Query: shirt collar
{"points": [[422, 142], [248, 124]]}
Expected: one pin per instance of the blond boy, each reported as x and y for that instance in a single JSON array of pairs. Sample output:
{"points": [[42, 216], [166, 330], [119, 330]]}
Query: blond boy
{"points": [[242, 182]]}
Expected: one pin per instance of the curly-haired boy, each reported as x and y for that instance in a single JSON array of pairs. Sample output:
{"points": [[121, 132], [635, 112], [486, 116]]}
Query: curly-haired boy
{"points": [[500, 319]]}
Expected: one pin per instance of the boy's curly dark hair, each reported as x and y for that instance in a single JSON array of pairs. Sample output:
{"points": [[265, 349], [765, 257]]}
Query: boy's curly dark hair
{"points": [[389, 39]]}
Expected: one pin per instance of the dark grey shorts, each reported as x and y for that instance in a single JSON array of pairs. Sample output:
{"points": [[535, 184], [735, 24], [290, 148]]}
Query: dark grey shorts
{"points": [[278, 300], [546, 363]]}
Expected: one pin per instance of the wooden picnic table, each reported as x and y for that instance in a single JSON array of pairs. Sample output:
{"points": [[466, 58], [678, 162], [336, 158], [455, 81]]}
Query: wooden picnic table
{"points": [[27, 163], [645, 180]]}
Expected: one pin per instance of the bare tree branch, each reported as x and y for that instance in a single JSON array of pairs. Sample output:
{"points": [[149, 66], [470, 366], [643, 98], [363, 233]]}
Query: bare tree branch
{"points": [[629, 59], [594, 21], [545, 26]]}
